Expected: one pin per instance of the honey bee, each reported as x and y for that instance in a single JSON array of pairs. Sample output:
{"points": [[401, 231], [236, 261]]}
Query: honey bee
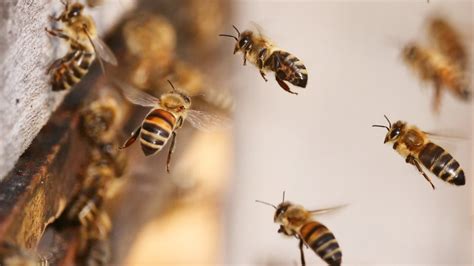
{"points": [[296, 221], [97, 252], [167, 115], [84, 45], [431, 66], [99, 119], [267, 57], [448, 41], [444, 65], [87, 207], [417, 149]]}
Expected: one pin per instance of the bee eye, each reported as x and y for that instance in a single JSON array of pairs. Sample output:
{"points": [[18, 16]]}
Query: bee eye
{"points": [[243, 42], [395, 133], [76, 11]]}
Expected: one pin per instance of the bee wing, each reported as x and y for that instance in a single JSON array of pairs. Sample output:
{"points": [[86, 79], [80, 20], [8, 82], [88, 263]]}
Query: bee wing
{"points": [[326, 210], [445, 137], [136, 96], [103, 51], [207, 122]]}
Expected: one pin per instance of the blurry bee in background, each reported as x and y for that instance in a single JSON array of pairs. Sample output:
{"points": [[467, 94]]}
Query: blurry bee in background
{"points": [[448, 41], [86, 207], [417, 149], [151, 43], [267, 57], [167, 115], [99, 119], [84, 45], [97, 252], [444, 65], [14, 255], [296, 221]]}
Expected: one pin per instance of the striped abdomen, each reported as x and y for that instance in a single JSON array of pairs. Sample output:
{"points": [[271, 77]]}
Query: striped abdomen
{"points": [[156, 130], [74, 66], [442, 164], [288, 67], [322, 241]]}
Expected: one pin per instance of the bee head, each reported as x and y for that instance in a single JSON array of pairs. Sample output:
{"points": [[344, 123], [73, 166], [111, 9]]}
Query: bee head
{"points": [[394, 130], [175, 100], [281, 211], [71, 11], [243, 40], [411, 52]]}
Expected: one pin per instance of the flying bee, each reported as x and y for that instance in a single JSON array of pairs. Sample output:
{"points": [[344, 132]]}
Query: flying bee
{"points": [[267, 57], [432, 66], [84, 45], [417, 149], [448, 41], [167, 115], [296, 221]]}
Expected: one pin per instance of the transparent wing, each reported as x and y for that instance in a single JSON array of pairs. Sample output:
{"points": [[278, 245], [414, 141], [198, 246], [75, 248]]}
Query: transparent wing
{"points": [[207, 122], [326, 210], [136, 96], [258, 28], [444, 137], [103, 51]]}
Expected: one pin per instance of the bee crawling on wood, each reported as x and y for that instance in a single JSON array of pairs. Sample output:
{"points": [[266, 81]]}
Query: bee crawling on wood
{"points": [[417, 149], [296, 221], [84, 46], [262, 53]]}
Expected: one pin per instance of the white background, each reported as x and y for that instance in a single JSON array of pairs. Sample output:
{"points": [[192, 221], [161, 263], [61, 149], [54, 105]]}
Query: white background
{"points": [[320, 148]]}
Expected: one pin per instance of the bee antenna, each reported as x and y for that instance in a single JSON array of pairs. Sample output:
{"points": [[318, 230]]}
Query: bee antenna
{"points": [[388, 120], [381, 126], [266, 203], [283, 200], [237, 30], [65, 3], [171, 85], [227, 35]]}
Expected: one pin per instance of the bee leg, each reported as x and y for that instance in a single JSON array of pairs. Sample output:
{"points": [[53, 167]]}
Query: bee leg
{"points": [[56, 63], [263, 75], [303, 263], [57, 33], [284, 85], [411, 160], [132, 138], [168, 160], [437, 97]]}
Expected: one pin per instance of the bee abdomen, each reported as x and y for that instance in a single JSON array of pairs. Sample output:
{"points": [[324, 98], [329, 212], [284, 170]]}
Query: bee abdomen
{"points": [[72, 70], [322, 241], [156, 130], [288, 67], [442, 164]]}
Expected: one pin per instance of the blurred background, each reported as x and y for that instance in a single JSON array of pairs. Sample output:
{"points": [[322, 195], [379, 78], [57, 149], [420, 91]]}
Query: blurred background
{"points": [[320, 148]]}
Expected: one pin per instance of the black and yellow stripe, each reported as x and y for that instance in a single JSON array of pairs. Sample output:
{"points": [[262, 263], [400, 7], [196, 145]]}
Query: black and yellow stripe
{"points": [[442, 164], [75, 65], [322, 241], [156, 129], [289, 68]]}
